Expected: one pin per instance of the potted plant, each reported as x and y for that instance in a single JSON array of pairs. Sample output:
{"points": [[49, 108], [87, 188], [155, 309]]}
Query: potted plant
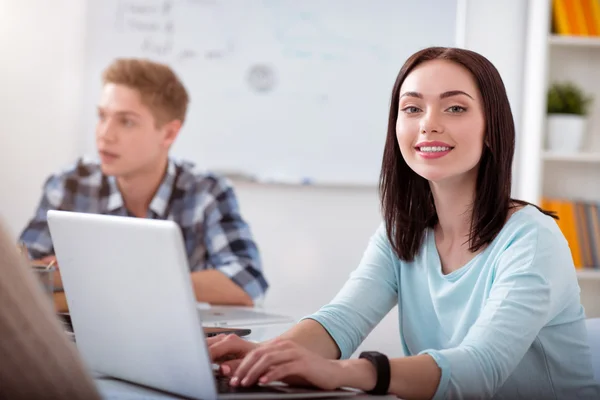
{"points": [[567, 117]]}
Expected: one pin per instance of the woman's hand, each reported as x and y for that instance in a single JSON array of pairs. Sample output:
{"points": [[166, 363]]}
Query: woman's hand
{"points": [[228, 351], [286, 361]]}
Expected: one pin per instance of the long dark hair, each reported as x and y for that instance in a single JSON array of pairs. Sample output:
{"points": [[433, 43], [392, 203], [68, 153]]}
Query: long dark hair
{"points": [[406, 198]]}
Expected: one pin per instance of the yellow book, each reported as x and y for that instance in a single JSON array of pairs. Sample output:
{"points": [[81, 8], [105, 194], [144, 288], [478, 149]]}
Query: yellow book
{"points": [[561, 22]]}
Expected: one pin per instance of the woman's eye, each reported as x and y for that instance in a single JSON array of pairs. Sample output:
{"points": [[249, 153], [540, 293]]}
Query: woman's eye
{"points": [[411, 109], [457, 109]]}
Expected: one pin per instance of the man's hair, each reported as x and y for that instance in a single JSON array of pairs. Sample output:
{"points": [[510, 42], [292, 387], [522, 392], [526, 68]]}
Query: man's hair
{"points": [[159, 87]]}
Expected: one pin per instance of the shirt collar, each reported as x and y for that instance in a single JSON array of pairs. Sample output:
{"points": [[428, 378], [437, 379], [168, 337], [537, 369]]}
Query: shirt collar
{"points": [[115, 200], [160, 201]]}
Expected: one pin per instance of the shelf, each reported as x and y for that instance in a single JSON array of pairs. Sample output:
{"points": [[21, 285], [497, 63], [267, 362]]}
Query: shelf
{"points": [[588, 274], [574, 41], [576, 157]]}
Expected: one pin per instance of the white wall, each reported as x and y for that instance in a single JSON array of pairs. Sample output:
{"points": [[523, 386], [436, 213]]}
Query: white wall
{"points": [[497, 30], [41, 43], [311, 237]]}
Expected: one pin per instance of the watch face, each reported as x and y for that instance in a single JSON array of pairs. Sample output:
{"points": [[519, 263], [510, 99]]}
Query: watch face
{"points": [[261, 78]]}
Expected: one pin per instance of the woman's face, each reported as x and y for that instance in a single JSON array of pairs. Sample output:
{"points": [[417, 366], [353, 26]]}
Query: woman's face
{"points": [[441, 125]]}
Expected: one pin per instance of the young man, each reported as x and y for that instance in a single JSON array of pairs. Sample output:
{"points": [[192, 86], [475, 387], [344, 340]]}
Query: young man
{"points": [[141, 111]]}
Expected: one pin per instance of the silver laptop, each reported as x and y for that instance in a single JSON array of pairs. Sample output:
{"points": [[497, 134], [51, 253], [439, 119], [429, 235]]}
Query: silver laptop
{"points": [[133, 309]]}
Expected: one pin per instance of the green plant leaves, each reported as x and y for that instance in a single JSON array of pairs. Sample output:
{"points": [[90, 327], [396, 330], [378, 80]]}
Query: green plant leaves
{"points": [[567, 98]]}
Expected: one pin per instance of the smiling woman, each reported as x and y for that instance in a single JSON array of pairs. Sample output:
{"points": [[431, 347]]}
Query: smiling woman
{"points": [[485, 283], [429, 123], [451, 101]]}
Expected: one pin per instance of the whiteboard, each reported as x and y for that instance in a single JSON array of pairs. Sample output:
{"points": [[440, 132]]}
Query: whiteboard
{"points": [[280, 89]]}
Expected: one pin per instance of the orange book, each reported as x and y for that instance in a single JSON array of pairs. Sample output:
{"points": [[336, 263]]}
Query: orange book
{"points": [[588, 16], [545, 204], [595, 12], [570, 227], [562, 25], [566, 223], [576, 18]]}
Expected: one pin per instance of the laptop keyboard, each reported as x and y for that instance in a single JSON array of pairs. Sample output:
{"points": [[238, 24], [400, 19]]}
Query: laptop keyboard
{"points": [[224, 387]]}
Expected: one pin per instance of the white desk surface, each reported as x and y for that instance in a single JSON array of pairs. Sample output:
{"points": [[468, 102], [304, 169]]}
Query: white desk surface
{"points": [[112, 389]]}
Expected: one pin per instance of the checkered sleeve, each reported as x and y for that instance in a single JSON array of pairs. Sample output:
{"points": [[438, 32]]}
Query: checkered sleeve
{"points": [[230, 246], [36, 235]]}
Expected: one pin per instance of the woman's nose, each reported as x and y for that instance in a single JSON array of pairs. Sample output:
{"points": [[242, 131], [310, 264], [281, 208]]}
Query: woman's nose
{"points": [[431, 123]]}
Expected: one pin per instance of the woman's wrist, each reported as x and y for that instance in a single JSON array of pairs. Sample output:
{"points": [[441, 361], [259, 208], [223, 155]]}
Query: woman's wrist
{"points": [[357, 373]]}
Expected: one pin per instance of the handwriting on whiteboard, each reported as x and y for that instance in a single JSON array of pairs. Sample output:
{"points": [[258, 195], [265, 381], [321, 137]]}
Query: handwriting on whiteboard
{"points": [[153, 24]]}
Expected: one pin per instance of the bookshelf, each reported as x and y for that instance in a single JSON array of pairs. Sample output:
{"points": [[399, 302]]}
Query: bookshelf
{"points": [[578, 158], [576, 176], [570, 178], [574, 41], [589, 275]]}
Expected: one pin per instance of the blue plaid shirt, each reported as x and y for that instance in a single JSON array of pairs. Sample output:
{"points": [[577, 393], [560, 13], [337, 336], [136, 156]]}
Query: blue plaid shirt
{"points": [[203, 204]]}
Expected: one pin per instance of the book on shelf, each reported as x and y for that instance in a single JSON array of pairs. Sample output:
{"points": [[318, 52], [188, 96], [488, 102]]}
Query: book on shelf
{"points": [[576, 17], [579, 222]]}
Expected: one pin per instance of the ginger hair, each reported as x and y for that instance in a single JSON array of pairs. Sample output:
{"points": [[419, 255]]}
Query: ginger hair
{"points": [[159, 87]]}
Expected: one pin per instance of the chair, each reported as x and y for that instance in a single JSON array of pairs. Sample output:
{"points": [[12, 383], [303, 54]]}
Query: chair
{"points": [[593, 328]]}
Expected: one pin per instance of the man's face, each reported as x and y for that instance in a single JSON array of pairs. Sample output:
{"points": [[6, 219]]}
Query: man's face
{"points": [[127, 137]]}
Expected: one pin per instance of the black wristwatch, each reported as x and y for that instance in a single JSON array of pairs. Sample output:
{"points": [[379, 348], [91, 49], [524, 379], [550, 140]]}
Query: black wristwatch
{"points": [[382, 367]]}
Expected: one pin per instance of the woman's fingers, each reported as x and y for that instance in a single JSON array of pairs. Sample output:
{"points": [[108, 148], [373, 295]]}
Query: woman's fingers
{"points": [[281, 371], [229, 367], [270, 359], [215, 339], [253, 357], [222, 346]]}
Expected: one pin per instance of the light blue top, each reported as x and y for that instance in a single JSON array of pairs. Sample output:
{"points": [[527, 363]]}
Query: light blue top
{"points": [[509, 324]]}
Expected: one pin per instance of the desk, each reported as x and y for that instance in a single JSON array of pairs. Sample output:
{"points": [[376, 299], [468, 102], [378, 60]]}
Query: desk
{"points": [[60, 301], [119, 390], [111, 389]]}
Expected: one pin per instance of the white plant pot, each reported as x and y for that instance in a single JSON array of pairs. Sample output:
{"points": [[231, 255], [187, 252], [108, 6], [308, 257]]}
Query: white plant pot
{"points": [[566, 132]]}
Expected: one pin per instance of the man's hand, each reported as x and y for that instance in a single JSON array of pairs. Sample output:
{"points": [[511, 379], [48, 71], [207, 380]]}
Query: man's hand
{"points": [[51, 260], [214, 287], [60, 302]]}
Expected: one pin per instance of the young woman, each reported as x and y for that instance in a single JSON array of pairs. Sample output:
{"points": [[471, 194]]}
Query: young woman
{"points": [[485, 285]]}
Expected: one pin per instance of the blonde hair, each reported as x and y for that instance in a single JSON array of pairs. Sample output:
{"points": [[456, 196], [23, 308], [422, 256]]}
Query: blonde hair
{"points": [[159, 87]]}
